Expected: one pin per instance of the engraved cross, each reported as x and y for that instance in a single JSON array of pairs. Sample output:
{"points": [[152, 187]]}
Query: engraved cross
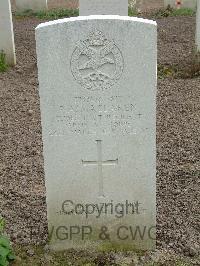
{"points": [[100, 163]]}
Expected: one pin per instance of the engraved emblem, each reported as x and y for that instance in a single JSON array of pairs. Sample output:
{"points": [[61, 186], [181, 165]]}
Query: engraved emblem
{"points": [[96, 62]]}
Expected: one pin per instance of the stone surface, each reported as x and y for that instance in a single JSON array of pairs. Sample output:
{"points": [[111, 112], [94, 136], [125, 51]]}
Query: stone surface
{"points": [[6, 32], [103, 7], [198, 27], [97, 79], [35, 5], [184, 3]]}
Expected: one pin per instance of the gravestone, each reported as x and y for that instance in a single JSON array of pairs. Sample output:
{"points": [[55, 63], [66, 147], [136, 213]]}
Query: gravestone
{"points": [[97, 77], [184, 3], [36, 5], [7, 44], [198, 27], [103, 7]]}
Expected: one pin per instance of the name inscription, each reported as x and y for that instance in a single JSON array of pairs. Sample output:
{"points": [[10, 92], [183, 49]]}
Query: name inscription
{"points": [[92, 115]]}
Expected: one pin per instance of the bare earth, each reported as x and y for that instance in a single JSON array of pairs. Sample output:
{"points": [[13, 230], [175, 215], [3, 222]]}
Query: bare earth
{"points": [[22, 189], [146, 5]]}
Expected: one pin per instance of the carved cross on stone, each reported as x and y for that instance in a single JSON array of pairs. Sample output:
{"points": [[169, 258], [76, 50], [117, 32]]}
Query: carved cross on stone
{"points": [[100, 163]]}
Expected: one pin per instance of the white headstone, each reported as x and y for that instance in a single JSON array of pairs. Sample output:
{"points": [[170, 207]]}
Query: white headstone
{"points": [[36, 5], [184, 3], [103, 7], [6, 32], [97, 78], [198, 27]]}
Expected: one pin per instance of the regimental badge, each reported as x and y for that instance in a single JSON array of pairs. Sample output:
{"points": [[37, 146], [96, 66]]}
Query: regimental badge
{"points": [[97, 63]]}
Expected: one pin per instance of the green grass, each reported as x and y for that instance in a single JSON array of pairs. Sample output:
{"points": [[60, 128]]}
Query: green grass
{"points": [[25, 13], [171, 12], [65, 13], [183, 12], [6, 251], [49, 14], [132, 12], [58, 13], [166, 71], [3, 65]]}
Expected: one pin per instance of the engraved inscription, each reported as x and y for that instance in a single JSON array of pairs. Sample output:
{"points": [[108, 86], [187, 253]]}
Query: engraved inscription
{"points": [[100, 163], [96, 62], [92, 115]]}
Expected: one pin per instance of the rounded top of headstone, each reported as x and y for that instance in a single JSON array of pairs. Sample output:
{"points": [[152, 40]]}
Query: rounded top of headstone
{"points": [[97, 17]]}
